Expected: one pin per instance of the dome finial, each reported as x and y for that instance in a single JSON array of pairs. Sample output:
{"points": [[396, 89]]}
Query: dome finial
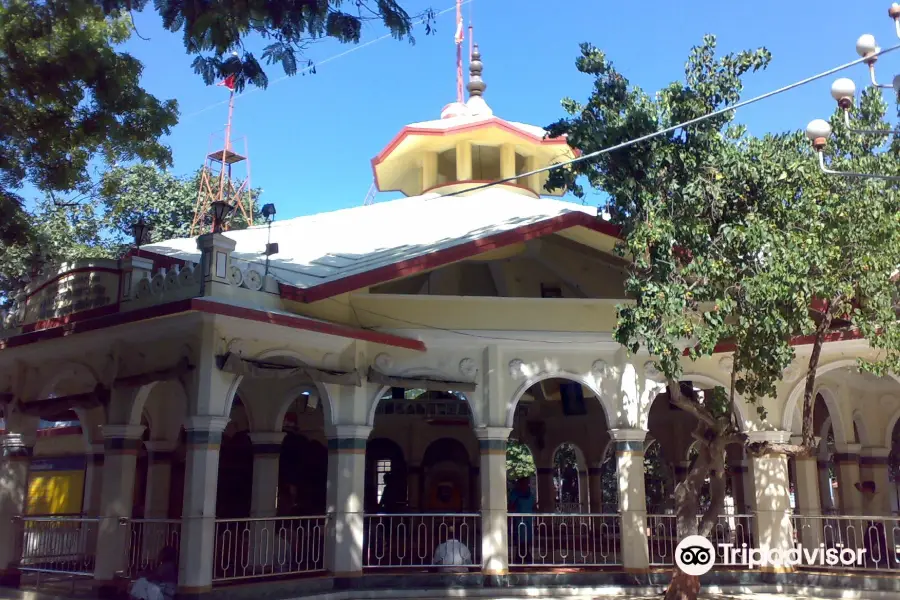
{"points": [[476, 84]]}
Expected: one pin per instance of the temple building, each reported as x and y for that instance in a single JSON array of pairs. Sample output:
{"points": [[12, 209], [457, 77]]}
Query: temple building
{"points": [[340, 412]]}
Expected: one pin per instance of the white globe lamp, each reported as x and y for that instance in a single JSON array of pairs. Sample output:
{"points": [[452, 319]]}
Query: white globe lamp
{"points": [[818, 132]]}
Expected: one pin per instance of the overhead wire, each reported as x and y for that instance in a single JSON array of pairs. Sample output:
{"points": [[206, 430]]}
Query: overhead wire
{"points": [[315, 64]]}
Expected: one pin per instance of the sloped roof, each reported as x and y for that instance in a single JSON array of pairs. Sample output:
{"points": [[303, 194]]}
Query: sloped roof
{"points": [[329, 247]]}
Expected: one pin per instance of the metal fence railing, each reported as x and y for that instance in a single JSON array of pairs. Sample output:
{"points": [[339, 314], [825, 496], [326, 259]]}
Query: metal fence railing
{"points": [[729, 531], [258, 547], [559, 540], [855, 542], [146, 540], [440, 541], [62, 545]]}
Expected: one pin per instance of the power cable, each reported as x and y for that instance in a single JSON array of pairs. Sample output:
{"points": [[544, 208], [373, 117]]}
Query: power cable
{"points": [[672, 128], [309, 68]]}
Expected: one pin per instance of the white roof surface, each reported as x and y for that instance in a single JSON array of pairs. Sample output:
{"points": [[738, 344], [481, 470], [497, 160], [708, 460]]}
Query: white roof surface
{"points": [[450, 122], [329, 246]]}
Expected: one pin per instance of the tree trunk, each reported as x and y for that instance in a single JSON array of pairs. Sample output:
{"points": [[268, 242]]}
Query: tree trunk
{"points": [[808, 400], [683, 586]]}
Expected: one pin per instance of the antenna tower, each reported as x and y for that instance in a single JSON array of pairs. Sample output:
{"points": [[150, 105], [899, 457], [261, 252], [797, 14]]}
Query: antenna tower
{"points": [[459, 58], [370, 195], [225, 175]]}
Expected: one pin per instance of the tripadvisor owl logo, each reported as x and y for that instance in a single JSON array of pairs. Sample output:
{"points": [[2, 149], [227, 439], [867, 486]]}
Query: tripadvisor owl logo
{"points": [[695, 555]]}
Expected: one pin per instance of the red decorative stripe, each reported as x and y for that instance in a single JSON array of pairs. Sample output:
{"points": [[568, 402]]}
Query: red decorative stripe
{"points": [[82, 324], [448, 255]]}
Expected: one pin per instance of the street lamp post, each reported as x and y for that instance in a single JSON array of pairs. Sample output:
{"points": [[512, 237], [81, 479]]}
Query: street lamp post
{"points": [[843, 91]]}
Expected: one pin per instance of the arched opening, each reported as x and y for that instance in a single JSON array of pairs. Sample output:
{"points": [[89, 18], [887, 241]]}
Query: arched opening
{"points": [[303, 462], [234, 492], [421, 489], [564, 423]]}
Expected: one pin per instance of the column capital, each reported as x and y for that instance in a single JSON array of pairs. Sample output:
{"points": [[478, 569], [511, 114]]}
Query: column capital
{"points": [[875, 452], [493, 433], [210, 423], [628, 435], [17, 446], [774, 436], [266, 438], [122, 432], [847, 448], [358, 432], [266, 443]]}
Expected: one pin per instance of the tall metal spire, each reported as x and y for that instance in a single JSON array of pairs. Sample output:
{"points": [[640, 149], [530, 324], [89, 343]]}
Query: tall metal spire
{"points": [[458, 38], [476, 85]]}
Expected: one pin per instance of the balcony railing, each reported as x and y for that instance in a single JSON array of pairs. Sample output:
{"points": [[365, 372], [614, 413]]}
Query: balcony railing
{"points": [[258, 547], [146, 540], [662, 538], [438, 541], [873, 540], [63, 545], [585, 540]]}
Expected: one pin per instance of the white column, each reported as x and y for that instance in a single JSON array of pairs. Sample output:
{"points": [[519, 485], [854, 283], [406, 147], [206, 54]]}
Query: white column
{"points": [[17, 450], [632, 498], [346, 490], [846, 465], [595, 482], [159, 478], [826, 491], [771, 499], [121, 443], [414, 486], [546, 492], [93, 481], [492, 443], [266, 456], [873, 466], [806, 473], [583, 493]]}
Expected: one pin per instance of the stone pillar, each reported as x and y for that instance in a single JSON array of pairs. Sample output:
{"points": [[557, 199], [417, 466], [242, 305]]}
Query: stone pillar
{"points": [[266, 456], [121, 443], [771, 497], [463, 160], [810, 529], [583, 492], [632, 498], [595, 483], [507, 161], [846, 463], [546, 492], [873, 466], [475, 487], [198, 516], [414, 487], [492, 443], [159, 478], [17, 450], [346, 491], [826, 491], [93, 481], [429, 170], [738, 473]]}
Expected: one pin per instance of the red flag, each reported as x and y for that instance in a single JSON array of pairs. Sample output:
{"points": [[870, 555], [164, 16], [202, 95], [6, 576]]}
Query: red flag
{"points": [[228, 82]]}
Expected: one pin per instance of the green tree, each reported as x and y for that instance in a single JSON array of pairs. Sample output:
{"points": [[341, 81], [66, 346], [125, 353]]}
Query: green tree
{"points": [[735, 240], [519, 461], [102, 228], [70, 99]]}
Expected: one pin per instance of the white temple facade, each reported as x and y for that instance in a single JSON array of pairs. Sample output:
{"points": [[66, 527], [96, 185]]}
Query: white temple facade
{"points": [[335, 415]]}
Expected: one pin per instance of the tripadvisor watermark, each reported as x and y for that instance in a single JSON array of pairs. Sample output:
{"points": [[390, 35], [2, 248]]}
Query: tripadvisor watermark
{"points": [[696, 555]]}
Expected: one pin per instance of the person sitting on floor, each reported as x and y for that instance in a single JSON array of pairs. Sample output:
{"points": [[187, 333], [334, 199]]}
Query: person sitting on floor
{"points": [[452, 556], [159, 583]]}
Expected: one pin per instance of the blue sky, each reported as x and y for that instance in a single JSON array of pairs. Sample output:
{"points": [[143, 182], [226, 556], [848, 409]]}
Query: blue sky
{"points": [[311, 138]]}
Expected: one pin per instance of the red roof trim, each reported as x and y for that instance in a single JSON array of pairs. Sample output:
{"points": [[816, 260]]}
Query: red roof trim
{"points": [[79, 323], [492, 122], [298, 322], [800, 340], [439, 258]]}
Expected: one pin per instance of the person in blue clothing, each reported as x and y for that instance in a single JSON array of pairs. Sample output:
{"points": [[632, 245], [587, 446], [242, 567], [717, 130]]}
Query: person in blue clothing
{"points": [[521, 501]]}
